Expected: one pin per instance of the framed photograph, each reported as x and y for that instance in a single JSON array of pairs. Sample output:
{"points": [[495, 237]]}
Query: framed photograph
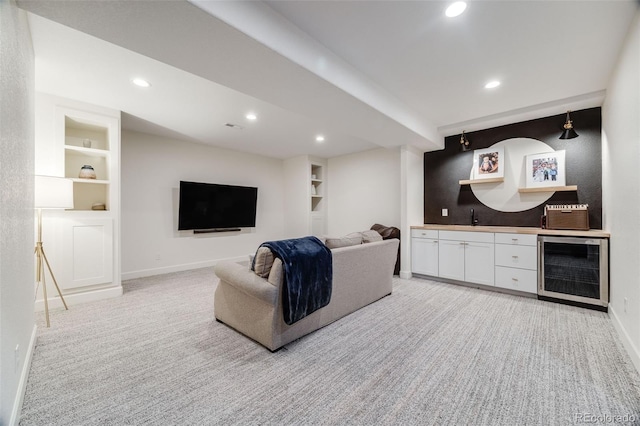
{"points": [[546, 169], [488, 163]]}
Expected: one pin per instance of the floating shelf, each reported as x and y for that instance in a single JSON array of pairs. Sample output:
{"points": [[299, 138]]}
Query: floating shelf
{"points": [[92, 152], [474, 181], [549, 189], [90, 181]]}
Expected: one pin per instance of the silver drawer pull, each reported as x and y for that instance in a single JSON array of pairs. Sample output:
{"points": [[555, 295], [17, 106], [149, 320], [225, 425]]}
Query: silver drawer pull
{"points": [[515, 257], [435, 241], [515, 240], [514, 280]]}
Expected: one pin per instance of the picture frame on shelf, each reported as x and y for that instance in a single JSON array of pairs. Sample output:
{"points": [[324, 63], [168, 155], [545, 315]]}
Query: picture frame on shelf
{"points": [[488, 163], [546, 169]]}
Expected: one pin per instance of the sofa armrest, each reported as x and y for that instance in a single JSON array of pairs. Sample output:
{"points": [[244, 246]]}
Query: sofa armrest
{"points": [[245, 280]]}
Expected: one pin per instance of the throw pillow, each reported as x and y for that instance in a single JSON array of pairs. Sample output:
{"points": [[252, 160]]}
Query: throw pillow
{"points": [[348, 240], [276, 274], [370, 236], [354, 236], [263, 262]]}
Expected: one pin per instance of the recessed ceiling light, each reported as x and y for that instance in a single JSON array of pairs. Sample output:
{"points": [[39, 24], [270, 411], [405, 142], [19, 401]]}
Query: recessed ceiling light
{"points": [[455, 9], [251, 116], [492, 84], [319, 138], [141, 82]]}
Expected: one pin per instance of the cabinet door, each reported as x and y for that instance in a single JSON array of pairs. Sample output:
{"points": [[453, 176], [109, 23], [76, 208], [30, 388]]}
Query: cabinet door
{"points": [[424, 256], [88, 253], [451, 259], [479, 263]]}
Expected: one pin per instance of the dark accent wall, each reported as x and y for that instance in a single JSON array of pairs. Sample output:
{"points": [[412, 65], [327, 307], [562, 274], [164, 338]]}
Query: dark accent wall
{"points": [[583, 167]]}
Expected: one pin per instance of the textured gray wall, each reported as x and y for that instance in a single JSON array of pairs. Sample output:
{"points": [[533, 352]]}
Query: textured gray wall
{"points": [[443, 169], [16, 202]]}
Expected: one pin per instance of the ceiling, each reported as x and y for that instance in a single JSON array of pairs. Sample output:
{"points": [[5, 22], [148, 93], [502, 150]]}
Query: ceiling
{"points": [[364, 74]]}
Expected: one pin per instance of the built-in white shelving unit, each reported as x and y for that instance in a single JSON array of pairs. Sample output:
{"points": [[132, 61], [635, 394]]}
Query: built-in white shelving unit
{"points": [[306, 196], [84, 242]]}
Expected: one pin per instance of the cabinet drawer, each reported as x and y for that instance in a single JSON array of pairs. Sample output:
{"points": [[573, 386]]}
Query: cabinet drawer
{"points": [[523, 257], [517, 279], [517, 239], [479, 237], [424, 233]]}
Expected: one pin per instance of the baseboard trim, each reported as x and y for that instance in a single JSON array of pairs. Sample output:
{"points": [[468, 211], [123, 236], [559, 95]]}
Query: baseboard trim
{"points": [[632, 350], [405, 275], [478, 286], [24, 376], [177, 268], [78, 298]]}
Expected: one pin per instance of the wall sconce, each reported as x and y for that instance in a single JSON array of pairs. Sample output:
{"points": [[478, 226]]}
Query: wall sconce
{"points": [[464, 142], [568, 132]]}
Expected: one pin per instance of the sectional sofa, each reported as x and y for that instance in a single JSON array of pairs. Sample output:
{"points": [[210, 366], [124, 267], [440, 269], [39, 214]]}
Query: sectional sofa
{"points": [[252, 305]]}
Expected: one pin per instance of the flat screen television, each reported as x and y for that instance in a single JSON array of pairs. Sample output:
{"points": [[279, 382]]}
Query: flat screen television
{"points": [[209, 206]]}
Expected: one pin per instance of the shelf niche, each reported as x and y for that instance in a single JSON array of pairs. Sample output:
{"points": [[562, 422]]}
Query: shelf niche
{"points": [[88, 141], [317, 171]]}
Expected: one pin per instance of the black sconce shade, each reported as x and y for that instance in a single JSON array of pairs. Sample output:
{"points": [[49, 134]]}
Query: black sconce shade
{"points": [[569, 132]]}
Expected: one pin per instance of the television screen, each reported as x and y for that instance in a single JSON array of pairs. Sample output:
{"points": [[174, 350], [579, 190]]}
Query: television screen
{"points": [[211, 206]]}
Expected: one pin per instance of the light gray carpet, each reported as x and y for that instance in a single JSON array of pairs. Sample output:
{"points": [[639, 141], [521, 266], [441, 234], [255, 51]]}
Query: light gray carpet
{"points": [[429, 354]]}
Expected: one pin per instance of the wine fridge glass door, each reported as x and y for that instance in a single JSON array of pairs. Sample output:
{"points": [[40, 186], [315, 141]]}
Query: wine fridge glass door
{"points": [[574, 268]]}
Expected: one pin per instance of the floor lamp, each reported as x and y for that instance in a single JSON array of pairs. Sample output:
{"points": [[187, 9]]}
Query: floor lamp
{"points": [[50, 193]]}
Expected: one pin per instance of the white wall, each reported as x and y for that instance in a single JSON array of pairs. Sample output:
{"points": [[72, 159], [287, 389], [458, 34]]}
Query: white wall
{"points": [[621, 190], [412, 201], [364, 189], [152, 168], [296, 189], [17, 319]]}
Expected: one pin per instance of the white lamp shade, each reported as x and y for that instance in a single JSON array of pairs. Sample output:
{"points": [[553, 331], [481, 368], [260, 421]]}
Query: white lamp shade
{"points": [[53, 192]]}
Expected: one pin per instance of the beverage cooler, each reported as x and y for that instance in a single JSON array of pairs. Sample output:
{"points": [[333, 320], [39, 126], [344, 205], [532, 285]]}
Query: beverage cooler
{"points": [[575, 269]]}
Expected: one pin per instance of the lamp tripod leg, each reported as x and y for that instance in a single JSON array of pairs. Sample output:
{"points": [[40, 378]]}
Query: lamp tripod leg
{"points": [[37, 269], [44, 289], [39, 251], [44, 256]]}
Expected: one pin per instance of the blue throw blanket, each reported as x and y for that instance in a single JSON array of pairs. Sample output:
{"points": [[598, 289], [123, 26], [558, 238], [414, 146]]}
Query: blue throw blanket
{"points": [[308, 272]]}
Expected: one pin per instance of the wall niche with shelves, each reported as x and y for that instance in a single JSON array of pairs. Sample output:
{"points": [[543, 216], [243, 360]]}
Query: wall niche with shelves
{"points": [[88, 144], [317, 193], [305, 196]]}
